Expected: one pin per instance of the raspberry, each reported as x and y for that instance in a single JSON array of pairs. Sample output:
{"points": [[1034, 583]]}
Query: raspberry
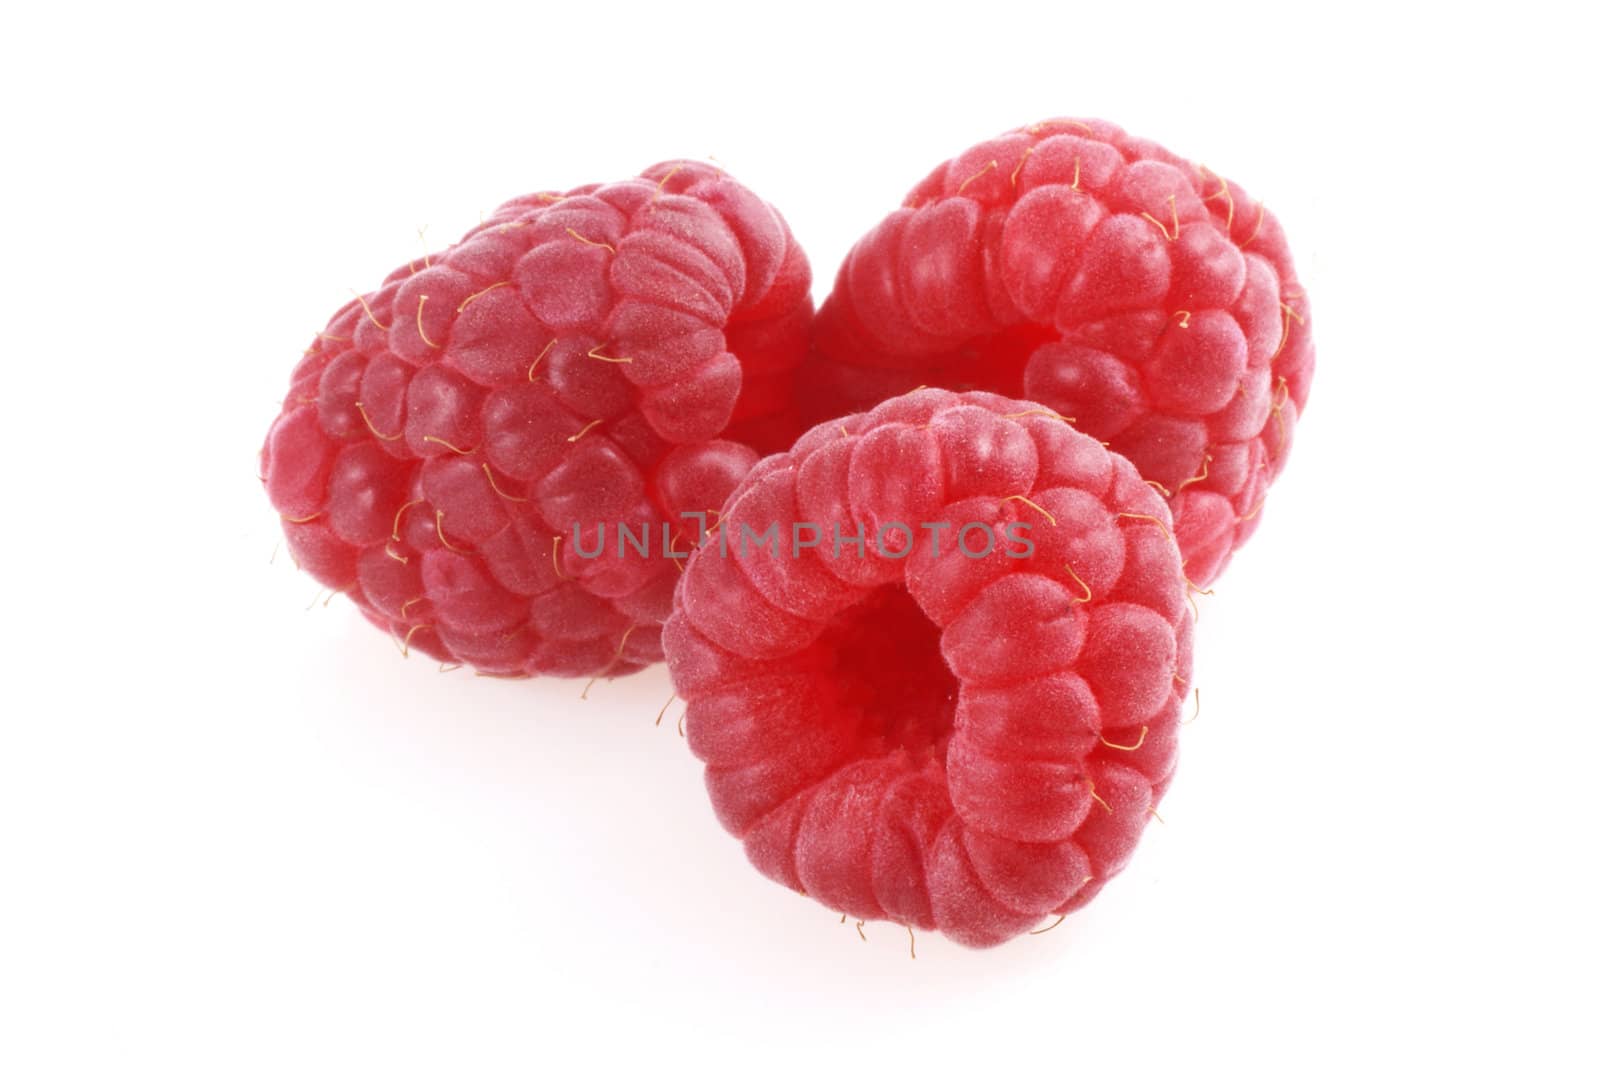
{"points": [[569, 364], [953, 741], [1144, 296]]}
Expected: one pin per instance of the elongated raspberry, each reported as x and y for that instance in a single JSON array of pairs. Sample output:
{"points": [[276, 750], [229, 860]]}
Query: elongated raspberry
{"points": [[1145, 297], [939, 725], [568, 367]]}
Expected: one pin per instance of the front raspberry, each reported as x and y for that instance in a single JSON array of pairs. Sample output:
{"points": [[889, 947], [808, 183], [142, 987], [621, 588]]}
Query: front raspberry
{"points": [[451, 442], [1144, 296], [933, 659]]}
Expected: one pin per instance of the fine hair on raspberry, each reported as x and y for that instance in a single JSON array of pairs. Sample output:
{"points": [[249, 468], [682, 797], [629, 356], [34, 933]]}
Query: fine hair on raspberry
{"points": [[619, 353], [966, 742], [1148, 298]]}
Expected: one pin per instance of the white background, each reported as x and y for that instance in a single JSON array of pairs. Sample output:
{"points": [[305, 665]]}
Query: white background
{"points": [[237, 832]]}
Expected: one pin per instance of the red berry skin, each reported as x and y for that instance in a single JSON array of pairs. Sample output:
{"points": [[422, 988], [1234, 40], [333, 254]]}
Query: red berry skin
{"points": [[959, 742], [1146, 297], [583, 359]]}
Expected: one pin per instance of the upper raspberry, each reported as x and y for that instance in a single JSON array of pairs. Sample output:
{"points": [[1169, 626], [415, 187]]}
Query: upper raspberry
{"points": [[1146, 297]]}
